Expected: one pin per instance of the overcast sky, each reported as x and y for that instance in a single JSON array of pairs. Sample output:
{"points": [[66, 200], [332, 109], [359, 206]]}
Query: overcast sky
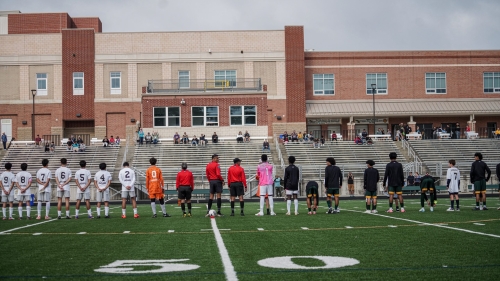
{"points": [[329, 25]]}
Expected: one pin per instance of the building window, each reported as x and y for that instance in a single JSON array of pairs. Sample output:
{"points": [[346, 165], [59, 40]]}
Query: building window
{"points": [[435, 83], [41, 84], [166, 117], [324, 84], [205, 115], [491, 82], [379, 79], [243, 115], [116, 82], [225, 78], [78, 83], [184, 79]]}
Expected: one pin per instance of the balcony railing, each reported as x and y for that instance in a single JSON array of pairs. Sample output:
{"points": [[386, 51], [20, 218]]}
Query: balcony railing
{"points": [[204, 85]]}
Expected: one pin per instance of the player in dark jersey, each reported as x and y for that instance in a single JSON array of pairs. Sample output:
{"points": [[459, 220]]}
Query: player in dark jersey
{"points": [[312, 194], [333, 183], [479, 175], [291, 180], [394, 173], [371, 178], [427, 183], [237, 182]]}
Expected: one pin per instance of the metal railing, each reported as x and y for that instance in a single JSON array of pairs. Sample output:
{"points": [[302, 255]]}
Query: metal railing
{"points": [[417, 163], [278, 150], [204, 85]]}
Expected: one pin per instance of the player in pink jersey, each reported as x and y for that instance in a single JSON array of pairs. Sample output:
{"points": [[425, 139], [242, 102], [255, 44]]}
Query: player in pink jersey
{"points": [[266, 180]]}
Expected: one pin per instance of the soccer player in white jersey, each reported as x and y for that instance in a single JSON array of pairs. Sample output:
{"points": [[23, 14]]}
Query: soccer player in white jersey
{"points": [[43, 177], [82, 179], [23, 183], [266, 180], [127, 179], [453, 184], [63, 178], [7, 180], [102, 180]]}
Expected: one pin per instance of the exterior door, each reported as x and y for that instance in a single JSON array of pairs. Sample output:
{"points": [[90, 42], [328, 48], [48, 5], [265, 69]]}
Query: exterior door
{"points": [[490, 128], [6, 127], [425, 130]]}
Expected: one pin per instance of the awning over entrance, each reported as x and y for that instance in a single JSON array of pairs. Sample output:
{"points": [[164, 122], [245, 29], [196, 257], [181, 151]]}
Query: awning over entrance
{"points": [[431, 107]]}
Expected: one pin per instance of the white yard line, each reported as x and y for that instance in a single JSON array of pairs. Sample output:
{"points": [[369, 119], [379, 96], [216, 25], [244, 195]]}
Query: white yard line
{"points": [[431, 224], [226, 261], [29, 225]]}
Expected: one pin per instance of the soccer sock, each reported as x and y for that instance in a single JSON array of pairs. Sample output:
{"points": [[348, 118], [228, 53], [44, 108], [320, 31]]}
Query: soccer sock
{"points": [[76, 212], [183, 207], [39, 208], [58, 213], [4, 211], [47, 208], [232, 206], [402, 204], [296, 203], [106, 211], [210, 201], [271, 203], [242, 206], [452, 203], [374, 207], [153, 207], [368, 207], [268, 212], [123, 211], [262, 199], [98, 211], [309, 209], [288, 204], [458, 203], [89, 212], [11, 211], [20, 210], [219, 204], [135, 211], [28, 211], [329, 203], [477, 204], [336, 207], [189, 207], [390, 205], [484, 202], [163, 208], [67, 213]]}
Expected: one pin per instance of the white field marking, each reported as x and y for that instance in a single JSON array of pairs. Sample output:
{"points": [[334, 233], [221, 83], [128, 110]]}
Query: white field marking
{"points": [[224, 229], [191, 207], [29, 225], [171, 231], [206, 229], [392, 225], [82, 233], [37, 233], [476, 223], [126, 232], [305, 228], [260, 229], [348, 227], [431, 224], [226, 261]]}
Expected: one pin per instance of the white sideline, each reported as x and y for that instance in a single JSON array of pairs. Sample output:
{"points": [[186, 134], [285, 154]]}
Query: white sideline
{"points": [[29, 225], [431, 224], [226, 261]]}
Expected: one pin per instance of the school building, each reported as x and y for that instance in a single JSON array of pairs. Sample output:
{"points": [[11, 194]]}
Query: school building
{"points": [[63, 76]]}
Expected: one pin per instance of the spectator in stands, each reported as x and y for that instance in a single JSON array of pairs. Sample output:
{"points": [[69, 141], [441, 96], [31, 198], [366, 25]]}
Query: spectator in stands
{"points": [[4, 141], [149, 139], [407, 131], [239, 137], [350, 184], [457, 131], [388, 132], [410, 181], [69, 143], [105, 141], [75, 147], [247, 136], [358, 140], [73, 138], [215, 138], [185, 138], [203, 140], [82, 147], [38, 140], [369, 141], [306, 136], [52, 147], [334, 136], [155, 136], [285, 137], [294, 136], [311, 137], [448, 129], [399, 137], [176, 138], [467, 128], [378, 132], [141, 136], [364, 135], [417, 179], [417, 130], [383, 133], [79, 140], [322, 140], [194, 141], [265, 146], [300, 136], [316, 143], [47, 147], [111, 140], [118, 140]]}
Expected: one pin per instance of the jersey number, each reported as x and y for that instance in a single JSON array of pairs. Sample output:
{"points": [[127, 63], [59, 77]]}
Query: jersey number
{"points": [[43, 177], [153, 174], [82, 177], [127, 174], [63, 175], [102, 178], [5, 180], [455, 176], [23, 179]]}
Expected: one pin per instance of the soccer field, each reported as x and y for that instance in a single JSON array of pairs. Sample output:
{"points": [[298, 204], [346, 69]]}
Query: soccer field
{"points": [[351, 245]]}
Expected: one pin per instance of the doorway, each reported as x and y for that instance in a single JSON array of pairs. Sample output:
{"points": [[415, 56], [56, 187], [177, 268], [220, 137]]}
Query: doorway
{"points": [[6, 127], [425, 130]]}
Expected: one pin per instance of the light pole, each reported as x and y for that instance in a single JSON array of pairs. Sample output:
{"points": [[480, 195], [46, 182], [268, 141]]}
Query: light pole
{"points": [[374, 88], [33, 93]]}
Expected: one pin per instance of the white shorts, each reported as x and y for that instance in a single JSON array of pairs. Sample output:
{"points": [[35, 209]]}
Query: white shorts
{"points": [[44, 196], [24, 198], [83, 196], [63, 193], [8, 198], [127, 193], [266, 189], [292, 192], [102, 196]]}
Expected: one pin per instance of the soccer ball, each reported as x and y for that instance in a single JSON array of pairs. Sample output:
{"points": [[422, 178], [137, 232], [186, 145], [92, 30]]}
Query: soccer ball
{"points": [[212, 213]]}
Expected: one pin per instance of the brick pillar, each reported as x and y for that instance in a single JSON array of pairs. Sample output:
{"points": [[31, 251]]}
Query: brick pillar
{"points": [[413, 126], [351, 131], [472, 125]]}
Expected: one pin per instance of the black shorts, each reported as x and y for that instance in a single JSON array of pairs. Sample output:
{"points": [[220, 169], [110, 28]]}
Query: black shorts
{"points": [[215, 186], [236, 189], [184, 192]]}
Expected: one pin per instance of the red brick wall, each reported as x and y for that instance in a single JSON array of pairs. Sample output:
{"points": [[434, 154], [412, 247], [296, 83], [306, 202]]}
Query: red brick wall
{"points": [[132, 110], [405, 73], [94, 23], [43, 124], [115, 124], [78, 56], [223, 102], [294, 65], [38, 23]]}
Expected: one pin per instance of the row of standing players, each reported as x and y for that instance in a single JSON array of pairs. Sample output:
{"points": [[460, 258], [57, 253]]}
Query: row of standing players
{"points": [[393, 179]]}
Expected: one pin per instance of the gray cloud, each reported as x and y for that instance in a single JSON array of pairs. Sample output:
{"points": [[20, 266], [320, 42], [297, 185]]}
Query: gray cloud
{"points": [[329, 25]]}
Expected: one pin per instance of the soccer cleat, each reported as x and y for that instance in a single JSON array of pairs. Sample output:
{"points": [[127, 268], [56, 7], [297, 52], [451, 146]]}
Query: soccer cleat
{"points": [[457, 210], [273, 214], [4, 218], [76, 217], [259, 214], [397, 209], [484, 208], [106, 217], [166, 215], [232, 214], [330, 211], [155, 216], [20, 218], [11, 218], [58, 217], [309, 213], [287, 213], [337, 211], [124, 216], [314, 212], [28, 218], [422, 210], [403, 210], [47, 217], [219, 214], [136, 216], [242, 214], [184, 215], [475, 209], [296, 213], [374, 211], [368, 211], [432, 209], [91, 217], [68, 217], [189, 215], [390, 210], [450, 209], [37, 217], [498, 208]]}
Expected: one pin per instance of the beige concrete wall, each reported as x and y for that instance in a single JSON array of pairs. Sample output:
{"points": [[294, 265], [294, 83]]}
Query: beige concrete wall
{"points": [[188, 66], [31, 44], [106, 80], [210, 68], [49, 69], [9, 81], [190, 42], [145, 72], [266, 71]]}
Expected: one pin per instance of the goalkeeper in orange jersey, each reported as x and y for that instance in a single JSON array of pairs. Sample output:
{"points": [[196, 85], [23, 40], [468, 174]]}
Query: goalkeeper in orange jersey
{"points": [[154, 185]]}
